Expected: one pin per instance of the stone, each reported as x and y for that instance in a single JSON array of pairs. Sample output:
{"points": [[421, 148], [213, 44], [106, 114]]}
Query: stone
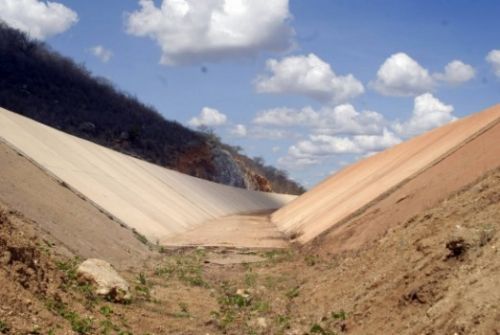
{"points": [[107, 282]]}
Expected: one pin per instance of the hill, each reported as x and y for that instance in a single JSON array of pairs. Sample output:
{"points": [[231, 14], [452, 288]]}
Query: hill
{"points": [[45, 86]]}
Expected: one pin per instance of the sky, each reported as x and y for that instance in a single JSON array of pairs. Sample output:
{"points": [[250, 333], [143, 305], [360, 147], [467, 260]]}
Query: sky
{"points": [[308, 85]]}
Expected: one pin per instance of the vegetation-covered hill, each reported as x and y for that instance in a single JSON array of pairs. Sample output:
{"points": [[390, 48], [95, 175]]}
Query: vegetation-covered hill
{"points": [[43, 85]]}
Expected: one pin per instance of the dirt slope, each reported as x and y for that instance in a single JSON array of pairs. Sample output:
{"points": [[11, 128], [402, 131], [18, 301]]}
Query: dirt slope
{"points": [[354, 188], [434, 274], [63, 216]]}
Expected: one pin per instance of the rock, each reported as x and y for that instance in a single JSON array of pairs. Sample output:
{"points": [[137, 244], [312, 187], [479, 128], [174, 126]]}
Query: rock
{"points": [[108, 283], [243, 293], [262, 322], [227, 170]]}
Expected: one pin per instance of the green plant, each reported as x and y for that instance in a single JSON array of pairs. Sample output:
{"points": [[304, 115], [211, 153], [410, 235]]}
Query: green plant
{"points": [[69, 268], [283, 322], [277, 256], [187, 268], [486, 234], [317, 329], [143, 239], [250, 279], [184, 311], [292, 293], [311, 260], [81, 325], [106, 310], [340, 315], [4, 329], [143, 286]]}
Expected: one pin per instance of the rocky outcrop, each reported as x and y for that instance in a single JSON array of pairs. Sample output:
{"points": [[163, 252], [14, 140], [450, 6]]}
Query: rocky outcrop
{"points": [[228, 171], [107, 282]]}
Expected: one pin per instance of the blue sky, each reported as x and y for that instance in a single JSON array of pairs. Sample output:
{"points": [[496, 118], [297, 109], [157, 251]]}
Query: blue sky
{"points": [[350, 77]]}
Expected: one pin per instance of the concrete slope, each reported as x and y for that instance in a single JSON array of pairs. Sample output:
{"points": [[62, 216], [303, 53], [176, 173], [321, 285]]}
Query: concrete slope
{"points": [[464, 166], [157, 202], [354, 188]]}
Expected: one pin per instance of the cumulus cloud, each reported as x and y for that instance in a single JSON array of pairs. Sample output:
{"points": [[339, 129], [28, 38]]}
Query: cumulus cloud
{"points": [[192, 31], [345, 119], [296, 163], [401, 75], [428, 113], [344, 131], [239, 130], [39, 19], [264, 133], [456, 72], [309, 76], [342, 119], [286, 117], [493, 58], [103, 54], [208, 117], [327, 145]]}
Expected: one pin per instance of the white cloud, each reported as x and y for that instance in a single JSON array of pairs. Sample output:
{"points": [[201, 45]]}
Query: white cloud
{"points": [[428, 113], [192, 31], [296, 163], [102, 53], [456, 72], [263, 133], [286, 117], [342, 119], [326, 145], [208, 117], [39, 19], [309, 76], [401, 75], [493, 58], [239, 130]]}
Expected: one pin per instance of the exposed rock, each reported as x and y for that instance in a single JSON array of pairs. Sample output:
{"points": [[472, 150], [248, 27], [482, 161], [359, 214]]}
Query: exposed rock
{"points": [[108, 283], [228, 171]]}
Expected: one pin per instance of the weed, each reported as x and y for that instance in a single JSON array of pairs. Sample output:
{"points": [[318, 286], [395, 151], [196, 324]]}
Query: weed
{"points": [[232, 306], [283, 322], [81, 325], [106, 310], [277, 256], [311, 260], [261, 306], [143, 239], [187, 268], [292, 293], [250, 279], [143, 287], [4, 328], [317, 329], [107, 327], [184, 311], [486, 234], [340, 315], [69, 268]]}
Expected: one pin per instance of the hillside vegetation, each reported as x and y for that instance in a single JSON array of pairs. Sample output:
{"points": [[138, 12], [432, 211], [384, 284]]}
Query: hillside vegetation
{"points": [[43, 85]]}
